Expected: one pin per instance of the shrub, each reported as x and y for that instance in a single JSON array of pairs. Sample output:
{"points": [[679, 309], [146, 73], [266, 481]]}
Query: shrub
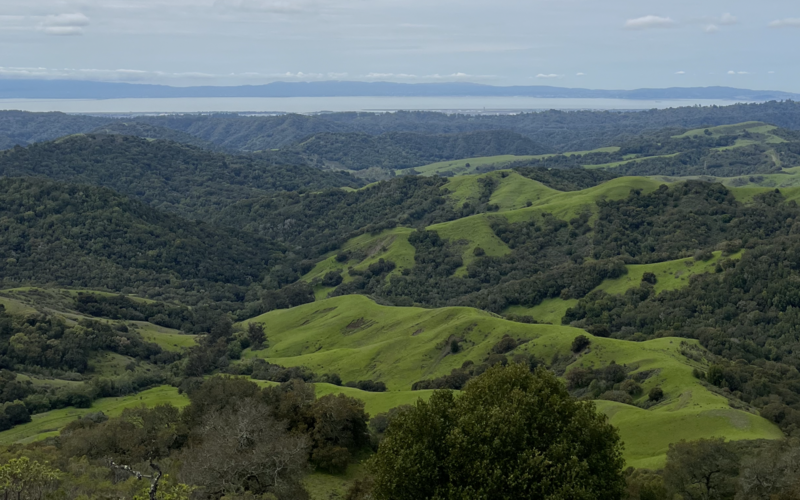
{"points": [[332, 279], [580, 343], [649, 278], [618, 396], [655, 394], [631, 387], [506, 344]]}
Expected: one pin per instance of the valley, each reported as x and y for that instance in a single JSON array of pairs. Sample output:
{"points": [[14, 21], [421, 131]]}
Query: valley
{"points": [[159, 261]]}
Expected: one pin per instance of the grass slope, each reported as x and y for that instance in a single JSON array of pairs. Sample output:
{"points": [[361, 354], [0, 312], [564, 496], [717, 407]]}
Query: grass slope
{"points": [[359, 339], [670, 275], [391, 244], [454, 168], [512, 196], [47, 424], [459, 167]]}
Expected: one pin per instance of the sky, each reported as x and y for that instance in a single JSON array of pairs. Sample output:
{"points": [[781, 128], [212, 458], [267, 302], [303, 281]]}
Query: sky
{"points": [[605, 44]]}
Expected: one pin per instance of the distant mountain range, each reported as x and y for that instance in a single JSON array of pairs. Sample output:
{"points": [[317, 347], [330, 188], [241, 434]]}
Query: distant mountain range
{"points": [[70, 89]]}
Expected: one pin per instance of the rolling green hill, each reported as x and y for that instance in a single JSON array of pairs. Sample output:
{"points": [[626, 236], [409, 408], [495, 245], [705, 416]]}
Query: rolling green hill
{"points": [[359, 339]]}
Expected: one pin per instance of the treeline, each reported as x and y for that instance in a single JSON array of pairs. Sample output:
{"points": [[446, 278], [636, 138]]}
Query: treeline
{"points": [[567, 179]]}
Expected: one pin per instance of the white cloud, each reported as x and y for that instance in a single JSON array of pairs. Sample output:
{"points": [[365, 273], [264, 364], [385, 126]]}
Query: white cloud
{"points": [[738, 72], [648, 22], [786, 23], [551, 75], [711, 28], [581, 74], [268, 6], [727, 19], [435, 76], [680, 72], [64, 24]]}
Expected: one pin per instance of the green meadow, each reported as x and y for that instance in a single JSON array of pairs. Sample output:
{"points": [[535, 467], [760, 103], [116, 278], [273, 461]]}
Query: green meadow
{"points": [[358, 339]]}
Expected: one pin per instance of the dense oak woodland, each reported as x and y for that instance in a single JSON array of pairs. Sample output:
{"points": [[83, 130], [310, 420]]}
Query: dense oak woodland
{"points": [[91, 237], [184, 179], [159, 208]]}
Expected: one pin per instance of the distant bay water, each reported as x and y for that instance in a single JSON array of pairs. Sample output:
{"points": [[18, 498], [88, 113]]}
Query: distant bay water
{"points": [[334, 104]]}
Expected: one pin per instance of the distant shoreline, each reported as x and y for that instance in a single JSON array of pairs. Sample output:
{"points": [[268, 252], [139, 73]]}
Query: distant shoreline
{"points": [[319, 105]]}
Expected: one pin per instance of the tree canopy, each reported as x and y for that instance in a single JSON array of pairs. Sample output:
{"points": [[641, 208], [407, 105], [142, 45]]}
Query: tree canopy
{"points": [[510, 434]]}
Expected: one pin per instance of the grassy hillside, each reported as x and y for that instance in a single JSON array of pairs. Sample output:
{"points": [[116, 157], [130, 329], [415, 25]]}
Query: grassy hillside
{"points": [[670, 275], [469, 166], [47, 424], [359, 339], [512, 196]]}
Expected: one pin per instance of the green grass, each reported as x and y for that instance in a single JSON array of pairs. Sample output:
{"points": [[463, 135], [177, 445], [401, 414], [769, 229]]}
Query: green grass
{"points": [[459, 167], [322, 486], [48, 424], [359, 339], [738, 128], [375, 402], [670, 275], [512, 195], [110, 364], [548, 311], [391, 244], [15, 306], [472, 232], [48, 383], [167, 338], [627, 161]]}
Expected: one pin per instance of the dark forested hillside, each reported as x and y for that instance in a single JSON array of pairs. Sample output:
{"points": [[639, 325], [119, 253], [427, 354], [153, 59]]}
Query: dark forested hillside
{"points": [[399, 150], [84, 236], [23, 128], [555, 130], [316, 223], [190, 181]]}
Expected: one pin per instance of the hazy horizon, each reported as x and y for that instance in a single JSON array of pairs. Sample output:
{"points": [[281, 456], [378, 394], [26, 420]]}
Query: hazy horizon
{"points": [[624, 44]]}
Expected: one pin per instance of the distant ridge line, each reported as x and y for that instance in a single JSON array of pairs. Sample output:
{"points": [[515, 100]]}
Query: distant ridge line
{"points": [[74, 89]]}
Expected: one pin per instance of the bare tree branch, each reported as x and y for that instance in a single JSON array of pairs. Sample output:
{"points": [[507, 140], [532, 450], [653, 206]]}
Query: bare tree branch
{"points": [[138, 475]]}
